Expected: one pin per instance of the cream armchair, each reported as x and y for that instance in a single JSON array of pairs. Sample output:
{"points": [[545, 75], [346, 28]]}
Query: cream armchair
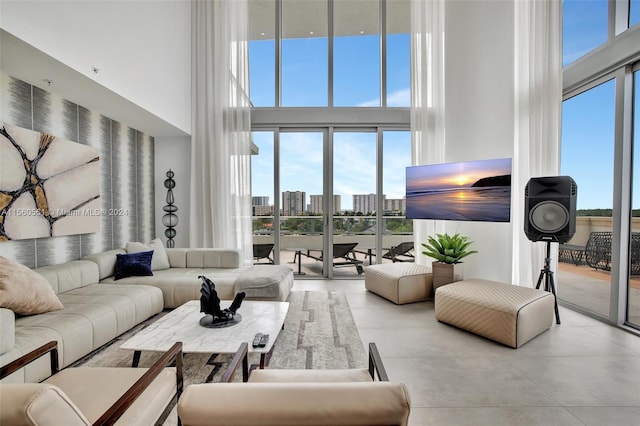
{"points": [[298, 397], [91, 395]]}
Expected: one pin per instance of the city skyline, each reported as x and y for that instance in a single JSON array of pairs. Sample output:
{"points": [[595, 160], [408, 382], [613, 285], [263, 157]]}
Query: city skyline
{"points": [[389, 204]]}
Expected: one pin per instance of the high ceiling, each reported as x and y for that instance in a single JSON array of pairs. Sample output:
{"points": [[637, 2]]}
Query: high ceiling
{"points": [[308, 18]]}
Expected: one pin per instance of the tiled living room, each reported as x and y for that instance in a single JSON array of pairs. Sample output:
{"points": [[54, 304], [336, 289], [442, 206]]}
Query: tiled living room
{"points": [[582, 372], [141, 155]]}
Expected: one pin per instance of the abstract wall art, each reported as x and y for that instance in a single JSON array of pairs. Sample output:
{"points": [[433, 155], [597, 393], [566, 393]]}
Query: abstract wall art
{"points": [[48, 186]]}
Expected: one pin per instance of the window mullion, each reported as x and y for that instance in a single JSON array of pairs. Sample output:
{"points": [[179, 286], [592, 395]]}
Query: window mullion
{"points": [[330, 51]]}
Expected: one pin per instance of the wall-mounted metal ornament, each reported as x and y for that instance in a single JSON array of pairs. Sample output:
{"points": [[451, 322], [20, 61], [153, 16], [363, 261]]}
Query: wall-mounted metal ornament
{"points": [[170, 219]]}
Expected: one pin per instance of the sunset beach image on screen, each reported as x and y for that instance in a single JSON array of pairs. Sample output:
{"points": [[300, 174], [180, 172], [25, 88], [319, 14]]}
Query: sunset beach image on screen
{"points": [[468, 191]]}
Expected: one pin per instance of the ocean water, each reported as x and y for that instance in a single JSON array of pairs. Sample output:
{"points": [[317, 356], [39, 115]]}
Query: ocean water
{"points": [[491, 203]]}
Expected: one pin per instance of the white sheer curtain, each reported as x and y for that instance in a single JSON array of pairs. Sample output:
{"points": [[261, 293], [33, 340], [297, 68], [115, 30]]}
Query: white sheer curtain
{"points": [[220, 210], [427, 96], [538, 109]]}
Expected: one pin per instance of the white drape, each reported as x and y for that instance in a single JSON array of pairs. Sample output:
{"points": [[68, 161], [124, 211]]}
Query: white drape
{"points": [[427, 96], [220, 210], [538, 109]]}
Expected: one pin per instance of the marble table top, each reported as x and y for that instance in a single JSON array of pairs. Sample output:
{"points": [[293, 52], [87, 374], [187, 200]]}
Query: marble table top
{"points": [[182, 325]]}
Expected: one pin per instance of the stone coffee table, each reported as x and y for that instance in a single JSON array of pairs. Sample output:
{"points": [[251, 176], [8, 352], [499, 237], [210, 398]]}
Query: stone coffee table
{"points": [[183, 325]]}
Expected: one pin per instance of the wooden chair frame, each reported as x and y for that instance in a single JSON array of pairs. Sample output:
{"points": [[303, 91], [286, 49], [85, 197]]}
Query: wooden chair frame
{"points": [[376, 367], [119, 407]]}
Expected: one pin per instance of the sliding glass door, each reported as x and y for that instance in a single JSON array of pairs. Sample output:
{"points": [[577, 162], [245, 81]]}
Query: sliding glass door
{"points": [[317, 202], [588, 121], [633, 287], [355, 200], [301, 171]]}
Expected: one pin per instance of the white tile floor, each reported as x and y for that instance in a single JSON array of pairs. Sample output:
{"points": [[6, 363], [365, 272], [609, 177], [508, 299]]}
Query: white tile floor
{"points": [[582, 372]]}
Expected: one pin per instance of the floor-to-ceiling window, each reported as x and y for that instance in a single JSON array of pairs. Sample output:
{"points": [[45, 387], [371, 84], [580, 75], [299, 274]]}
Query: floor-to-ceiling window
{"points": [[329, 79], [584, 27], [633, 298], [588, 121], [599, 269], [304, 52]]}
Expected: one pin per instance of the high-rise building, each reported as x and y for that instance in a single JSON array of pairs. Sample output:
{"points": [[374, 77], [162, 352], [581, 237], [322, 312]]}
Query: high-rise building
{"points": [[260, 206], [262, 210], [316, 204], [293, 202], [260, 201], [364, 203], [395, 204]]}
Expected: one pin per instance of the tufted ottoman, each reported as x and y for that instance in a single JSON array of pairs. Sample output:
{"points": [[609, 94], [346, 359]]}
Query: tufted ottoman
{"points": [[399, 282], [509, 314]]}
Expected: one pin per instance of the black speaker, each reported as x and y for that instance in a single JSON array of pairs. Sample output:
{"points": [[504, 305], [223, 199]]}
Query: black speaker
{"points": [[550, 208]]}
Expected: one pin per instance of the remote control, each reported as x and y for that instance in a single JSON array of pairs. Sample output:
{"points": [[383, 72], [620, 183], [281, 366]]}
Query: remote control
{"points": [[256, 340], [263, 341]]}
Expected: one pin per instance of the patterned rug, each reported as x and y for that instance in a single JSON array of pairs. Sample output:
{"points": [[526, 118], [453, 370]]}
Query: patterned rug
{"points": [[319, 333]]}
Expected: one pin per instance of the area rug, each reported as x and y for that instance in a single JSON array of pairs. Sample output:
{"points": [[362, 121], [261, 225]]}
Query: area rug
{"points": [[319, 333]]}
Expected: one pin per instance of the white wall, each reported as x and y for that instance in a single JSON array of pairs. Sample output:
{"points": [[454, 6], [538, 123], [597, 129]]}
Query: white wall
{"points": [[479, 98], [174, 154], [142, 48]]}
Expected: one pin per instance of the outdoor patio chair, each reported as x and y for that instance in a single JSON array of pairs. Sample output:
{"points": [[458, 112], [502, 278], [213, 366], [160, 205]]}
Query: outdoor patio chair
{"points": [[343, 255], [403, 252], [262, 251], [92, 395]]}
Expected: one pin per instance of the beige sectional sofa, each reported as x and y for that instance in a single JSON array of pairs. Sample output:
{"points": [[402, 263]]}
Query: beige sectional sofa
{"points": [[93, 314], [98, 308], [180, 283]]}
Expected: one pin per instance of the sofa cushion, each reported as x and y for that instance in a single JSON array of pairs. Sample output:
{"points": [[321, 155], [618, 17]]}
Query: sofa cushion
{"points": [[159, 261], [359, 403], [134, 264], [38, 404], [106, 262], [70, 275], [213, 258], [24, 291], [8, 331], [113, 383]]}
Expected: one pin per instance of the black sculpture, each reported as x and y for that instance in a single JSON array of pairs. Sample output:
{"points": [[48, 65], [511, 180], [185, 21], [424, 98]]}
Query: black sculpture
{"points": [[210, 305]]}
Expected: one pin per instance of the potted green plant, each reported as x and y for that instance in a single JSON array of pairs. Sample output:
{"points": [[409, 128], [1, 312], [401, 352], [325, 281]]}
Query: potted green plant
{"points": [[447, 250]]}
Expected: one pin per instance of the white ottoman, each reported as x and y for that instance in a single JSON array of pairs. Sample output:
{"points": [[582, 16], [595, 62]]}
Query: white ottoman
{"points": [[509, 314], [399, 282]]}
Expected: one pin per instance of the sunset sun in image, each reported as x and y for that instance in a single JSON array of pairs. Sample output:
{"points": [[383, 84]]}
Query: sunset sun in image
{"points": [[462, 180]]}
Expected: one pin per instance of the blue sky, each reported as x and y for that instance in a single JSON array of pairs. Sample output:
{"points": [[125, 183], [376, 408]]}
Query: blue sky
{"points": [[588, 119], [587, 131], [356, 83]]}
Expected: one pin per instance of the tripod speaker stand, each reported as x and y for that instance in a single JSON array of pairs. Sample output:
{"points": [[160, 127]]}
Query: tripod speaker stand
{"points": [[549, 285]]}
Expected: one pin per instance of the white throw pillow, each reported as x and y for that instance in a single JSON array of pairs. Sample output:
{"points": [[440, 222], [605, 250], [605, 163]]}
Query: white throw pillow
{"points": [[24, 291], [160, 259]]}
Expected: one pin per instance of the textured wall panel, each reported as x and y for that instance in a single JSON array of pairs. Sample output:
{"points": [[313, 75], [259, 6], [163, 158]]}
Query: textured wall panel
{"points": [[59, 117], [124, 184], [15, 107], [95, 130], [127, 165], [16, 102], [145, 189]]}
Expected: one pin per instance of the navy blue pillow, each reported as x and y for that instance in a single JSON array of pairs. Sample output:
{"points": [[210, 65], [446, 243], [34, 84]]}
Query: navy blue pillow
{"points": [[134, 264]]}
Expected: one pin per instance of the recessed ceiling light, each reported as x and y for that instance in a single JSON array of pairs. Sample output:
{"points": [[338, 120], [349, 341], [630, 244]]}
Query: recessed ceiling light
{"points": [[311, 32], [361, 31], [262, 34]]}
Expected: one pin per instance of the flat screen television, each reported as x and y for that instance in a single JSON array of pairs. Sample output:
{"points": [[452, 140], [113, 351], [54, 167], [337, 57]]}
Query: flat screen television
{"points": [[467, 191]]}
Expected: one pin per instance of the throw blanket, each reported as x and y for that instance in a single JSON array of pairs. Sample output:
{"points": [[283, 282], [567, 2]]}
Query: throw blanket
{"points": [[262, 281]]}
